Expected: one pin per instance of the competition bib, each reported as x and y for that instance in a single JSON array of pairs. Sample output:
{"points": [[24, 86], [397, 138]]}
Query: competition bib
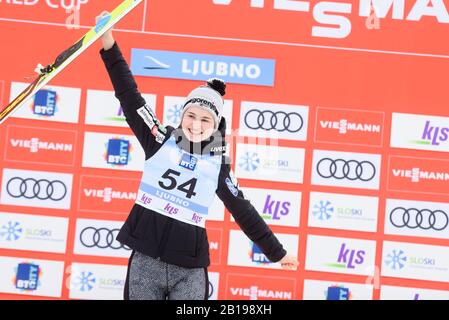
{"points": [[178, 184]]}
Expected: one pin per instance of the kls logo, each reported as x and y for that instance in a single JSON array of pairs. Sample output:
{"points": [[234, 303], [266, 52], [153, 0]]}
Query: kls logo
{"points": [[435, 134], [275, 209], [350, 258], [335, 13]]}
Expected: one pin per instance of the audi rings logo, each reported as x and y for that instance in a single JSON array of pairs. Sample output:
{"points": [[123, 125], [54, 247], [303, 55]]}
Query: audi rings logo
{"points": [[41, 189], [346, 169], [269, 120], [101, 238], [414, 218]]}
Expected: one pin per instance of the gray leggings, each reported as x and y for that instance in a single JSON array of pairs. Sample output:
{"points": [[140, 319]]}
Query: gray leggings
{"points": [[152, 279]]}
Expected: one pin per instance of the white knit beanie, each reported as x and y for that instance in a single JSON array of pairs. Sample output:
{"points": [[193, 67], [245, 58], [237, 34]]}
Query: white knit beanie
{"points": [[209, 97]]}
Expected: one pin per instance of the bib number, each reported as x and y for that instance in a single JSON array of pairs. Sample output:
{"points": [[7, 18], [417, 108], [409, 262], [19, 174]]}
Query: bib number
{"points": [[187, 187]]}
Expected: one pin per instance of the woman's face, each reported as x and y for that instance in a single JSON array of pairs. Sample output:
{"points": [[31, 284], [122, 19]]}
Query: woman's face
{"points": [[197, 124]]}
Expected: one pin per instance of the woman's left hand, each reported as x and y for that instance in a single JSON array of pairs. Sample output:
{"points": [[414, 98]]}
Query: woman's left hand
{"points": [[289, 262]]}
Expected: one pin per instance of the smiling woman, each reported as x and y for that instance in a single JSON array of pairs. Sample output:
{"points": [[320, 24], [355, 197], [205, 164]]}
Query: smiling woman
{"points": [[185, 168], [197, 124]]}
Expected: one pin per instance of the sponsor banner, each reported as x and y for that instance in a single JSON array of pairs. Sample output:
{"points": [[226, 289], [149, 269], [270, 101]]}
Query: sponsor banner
{"points": [[215, 244], [51, 103], [97, 281], [250, 287], [33, 233], [103, 108], [39, 145], [112, 151], [273, 120], [105, 194], [243, 252], [407, 174], [421, 132], [214, 281], [405, 293], [276, 207], [173, 109], [333, 290], [343, 211], [348, 24], [417, 218], [349, 126], [98, 238], [415, 261], [340, 255], [26, 276], [36, 189], [72, 14], [197, 66], [271, 163], [346, 169]]}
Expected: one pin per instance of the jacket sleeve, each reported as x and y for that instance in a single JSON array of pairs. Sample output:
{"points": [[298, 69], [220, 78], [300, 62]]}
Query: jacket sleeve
{"points": [[141, 119], [246, 215]]}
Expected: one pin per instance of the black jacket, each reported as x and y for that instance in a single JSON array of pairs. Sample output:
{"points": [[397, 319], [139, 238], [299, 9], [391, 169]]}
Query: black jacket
{"points": [[162, 237]]}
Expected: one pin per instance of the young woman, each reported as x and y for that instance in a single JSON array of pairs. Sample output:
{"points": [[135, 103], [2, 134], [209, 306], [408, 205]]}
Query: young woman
{"points": [[185, 167]]}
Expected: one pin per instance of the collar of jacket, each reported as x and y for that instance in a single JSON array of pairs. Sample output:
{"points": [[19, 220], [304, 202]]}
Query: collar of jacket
{"points": [[215, 145]]}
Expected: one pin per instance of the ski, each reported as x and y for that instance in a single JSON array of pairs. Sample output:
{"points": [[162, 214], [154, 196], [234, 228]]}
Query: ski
{"points": [[65, 58]]}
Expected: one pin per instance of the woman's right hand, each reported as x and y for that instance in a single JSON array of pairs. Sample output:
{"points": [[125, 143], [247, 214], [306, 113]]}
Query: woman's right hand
{"points": [[107, 39]]}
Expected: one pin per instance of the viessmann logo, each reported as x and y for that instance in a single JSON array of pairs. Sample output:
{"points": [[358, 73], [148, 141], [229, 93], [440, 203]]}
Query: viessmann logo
{"points": [[349, 126], [39, 145], [256, 292], [98, 193], [343, 126], [34, 145], [195, 66], [108, 194], [250, 287], [336, 14], [417, 174]]}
